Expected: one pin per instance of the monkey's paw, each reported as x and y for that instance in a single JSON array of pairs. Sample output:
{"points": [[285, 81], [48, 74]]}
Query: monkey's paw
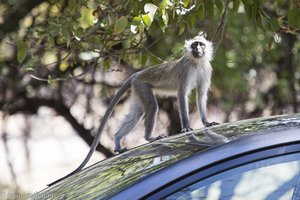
{"points": [[186, 130], [152, 139], [207, 124], [120, 150], [160, 136]]}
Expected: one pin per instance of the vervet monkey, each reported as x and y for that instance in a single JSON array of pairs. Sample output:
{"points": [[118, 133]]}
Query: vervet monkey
{"points": [[179, 77]]}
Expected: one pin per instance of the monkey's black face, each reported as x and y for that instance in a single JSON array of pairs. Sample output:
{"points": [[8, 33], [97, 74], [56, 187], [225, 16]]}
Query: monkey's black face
{"points": [[198, 49]]}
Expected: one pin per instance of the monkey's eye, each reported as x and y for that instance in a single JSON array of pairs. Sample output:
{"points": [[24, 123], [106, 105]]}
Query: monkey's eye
{"points": [[194, 45]]}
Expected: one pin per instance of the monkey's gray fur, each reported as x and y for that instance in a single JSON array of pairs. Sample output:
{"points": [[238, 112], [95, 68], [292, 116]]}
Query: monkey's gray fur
{"points": [[179, 77]]}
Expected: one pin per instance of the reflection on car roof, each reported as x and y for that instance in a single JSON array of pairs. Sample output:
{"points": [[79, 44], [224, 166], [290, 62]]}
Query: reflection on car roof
{"points": [[112, 175]]}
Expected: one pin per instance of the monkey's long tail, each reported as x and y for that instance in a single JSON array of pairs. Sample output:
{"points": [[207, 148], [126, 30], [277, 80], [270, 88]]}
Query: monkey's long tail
{"points": [[126, 85]]}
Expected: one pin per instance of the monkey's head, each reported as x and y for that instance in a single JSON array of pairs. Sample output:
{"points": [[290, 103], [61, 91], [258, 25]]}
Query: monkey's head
{"points": [[199, 48]]}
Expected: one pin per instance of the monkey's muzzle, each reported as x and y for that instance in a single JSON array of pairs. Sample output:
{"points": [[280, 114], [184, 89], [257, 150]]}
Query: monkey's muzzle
{"points": [[198, 54]]}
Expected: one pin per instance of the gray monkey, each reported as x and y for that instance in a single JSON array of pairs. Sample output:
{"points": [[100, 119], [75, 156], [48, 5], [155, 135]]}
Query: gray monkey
{"points": [[179, 77]]}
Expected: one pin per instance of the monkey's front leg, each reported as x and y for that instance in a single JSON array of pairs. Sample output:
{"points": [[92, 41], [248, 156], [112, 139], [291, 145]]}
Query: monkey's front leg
{"points": [[201, 102], [204, 119], [184, 111]]}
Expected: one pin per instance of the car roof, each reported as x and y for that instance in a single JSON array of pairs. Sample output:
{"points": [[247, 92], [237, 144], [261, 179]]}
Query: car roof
{"points": [[113, 175]]}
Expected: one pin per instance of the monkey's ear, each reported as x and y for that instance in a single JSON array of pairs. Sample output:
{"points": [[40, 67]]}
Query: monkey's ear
{"points": [[187, 44], [209, 50], [202, 34]]}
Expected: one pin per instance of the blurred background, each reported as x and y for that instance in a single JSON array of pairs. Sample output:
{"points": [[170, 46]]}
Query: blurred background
{"points": [[61, 61]]}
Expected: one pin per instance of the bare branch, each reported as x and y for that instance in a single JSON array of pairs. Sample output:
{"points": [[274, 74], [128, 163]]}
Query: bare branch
{"points": [[68, 78], [221, 26], [8, 160], [32, 104]]}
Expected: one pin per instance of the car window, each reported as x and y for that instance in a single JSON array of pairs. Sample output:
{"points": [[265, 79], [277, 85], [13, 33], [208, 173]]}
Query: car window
{"points": [[270, 179]]}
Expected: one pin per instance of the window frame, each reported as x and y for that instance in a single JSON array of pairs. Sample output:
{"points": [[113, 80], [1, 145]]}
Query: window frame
{"points": [[218, 168], [279, 159], [248, 148]]}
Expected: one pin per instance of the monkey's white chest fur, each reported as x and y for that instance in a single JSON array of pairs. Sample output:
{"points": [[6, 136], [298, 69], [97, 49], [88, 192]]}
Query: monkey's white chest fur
{"points": [[199, 76], [204, 74]]}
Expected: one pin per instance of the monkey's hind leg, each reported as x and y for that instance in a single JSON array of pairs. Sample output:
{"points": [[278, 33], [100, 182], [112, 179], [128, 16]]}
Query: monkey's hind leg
{"points": [[128, 124], [149, 104], [150, 122]]}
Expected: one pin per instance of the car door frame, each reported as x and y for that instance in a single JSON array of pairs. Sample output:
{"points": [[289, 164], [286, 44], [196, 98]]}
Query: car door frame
{"points": [[203, 174], [238, 152]]}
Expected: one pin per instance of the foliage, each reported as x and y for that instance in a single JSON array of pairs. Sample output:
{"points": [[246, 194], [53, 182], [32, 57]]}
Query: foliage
{"points": [[51, 45]]}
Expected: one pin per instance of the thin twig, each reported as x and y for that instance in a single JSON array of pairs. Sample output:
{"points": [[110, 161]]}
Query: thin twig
{"points": [[221, 26], [65, 79], [46, 80], [153, 55]]}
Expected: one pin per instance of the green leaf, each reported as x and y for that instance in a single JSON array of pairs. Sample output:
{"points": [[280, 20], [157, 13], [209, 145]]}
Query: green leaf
{"points": [[248, 2], [141, 28], [165, 17], [29, 67], [107, 63], [236, 5], [181, 29], [219, 5], [248, 12], [147, 20], [266, 24], [63, 66], [136, 21], [201, 12], [65, 34], [162, 26], [293, 18], [274, 24], [150, 9], [120, 25], [263, 12], [76, 15], [72, 3], [186, 3], [87, 18], [51, 41], [78, 32], [192, 20], [143, 59], [209, 6], [163, 4], [21, 51]]}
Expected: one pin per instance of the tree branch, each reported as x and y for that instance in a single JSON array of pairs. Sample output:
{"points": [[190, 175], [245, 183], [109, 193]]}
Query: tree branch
{"points": [[32, 104], [221, 26], [8, 160]]}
